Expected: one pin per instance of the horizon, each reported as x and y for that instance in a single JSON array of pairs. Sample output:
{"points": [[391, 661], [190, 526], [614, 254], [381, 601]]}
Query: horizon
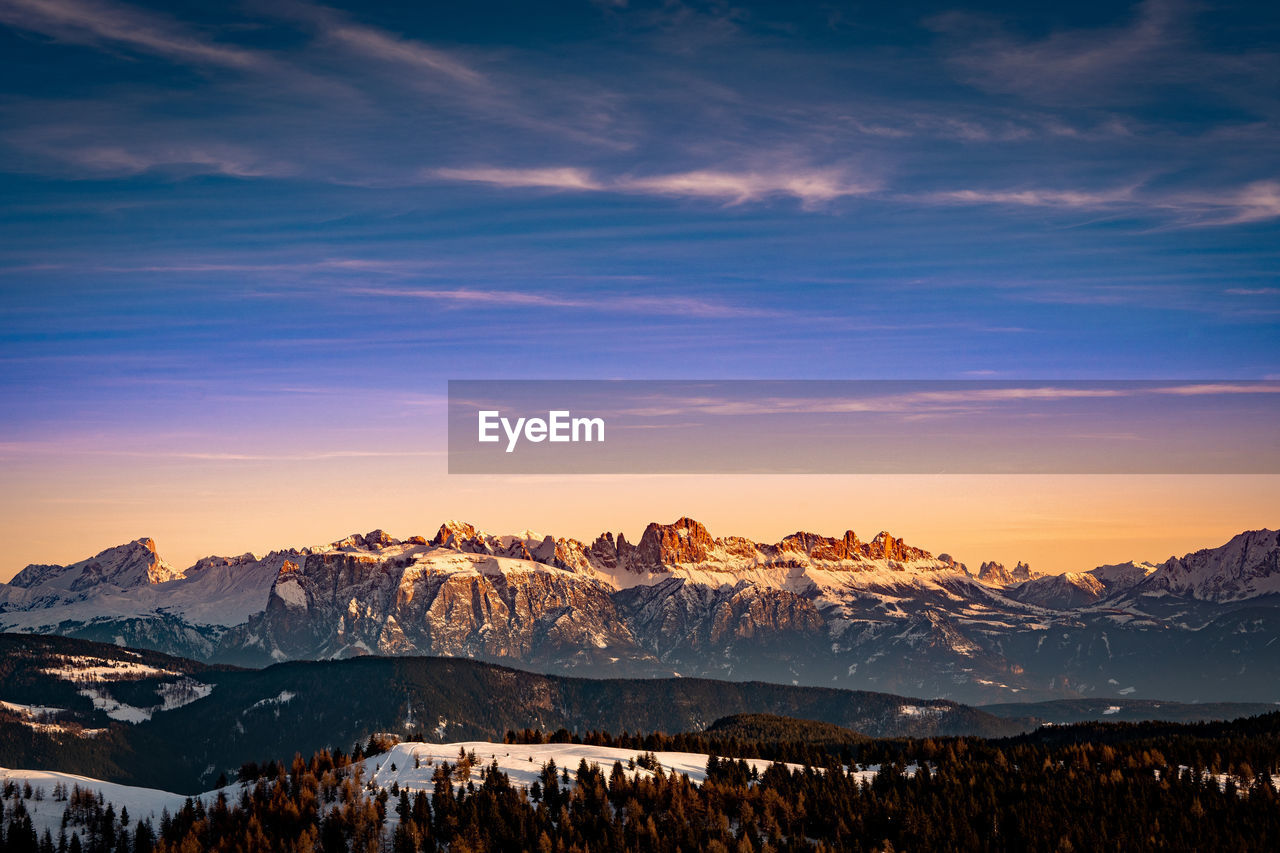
{"points": [[186, 559]]}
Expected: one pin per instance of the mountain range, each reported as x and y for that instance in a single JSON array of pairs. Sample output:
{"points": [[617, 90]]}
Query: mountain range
{"points": [[811, 610]]}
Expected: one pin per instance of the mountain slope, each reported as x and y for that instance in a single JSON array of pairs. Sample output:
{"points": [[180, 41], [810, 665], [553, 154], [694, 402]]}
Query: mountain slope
{"points": [[246, 715]]}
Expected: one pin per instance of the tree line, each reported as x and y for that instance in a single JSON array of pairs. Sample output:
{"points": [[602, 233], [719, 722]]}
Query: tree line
{"points": [[958, 794]]}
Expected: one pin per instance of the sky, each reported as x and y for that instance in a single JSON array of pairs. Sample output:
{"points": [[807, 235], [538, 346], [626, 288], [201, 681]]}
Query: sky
{"points": [[243, 247]]}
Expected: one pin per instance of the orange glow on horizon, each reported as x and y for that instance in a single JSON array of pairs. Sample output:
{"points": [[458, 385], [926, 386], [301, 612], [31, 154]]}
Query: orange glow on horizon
{"points": [[195, 507]]}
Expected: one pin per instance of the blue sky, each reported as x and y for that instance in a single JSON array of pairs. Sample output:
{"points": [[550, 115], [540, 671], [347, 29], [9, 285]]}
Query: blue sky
{"points": [[242, 228]]}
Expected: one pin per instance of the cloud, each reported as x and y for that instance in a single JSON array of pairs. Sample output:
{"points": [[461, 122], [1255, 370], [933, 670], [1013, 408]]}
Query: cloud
{"points": [[212, 158], [1254, 202], [1037, 197], [21, 449], [317, 456], [89, 22], [1101, 59], [1214, 388], [920, 403], [812, 187], [550, 178], [385, 47], [660, 305]]}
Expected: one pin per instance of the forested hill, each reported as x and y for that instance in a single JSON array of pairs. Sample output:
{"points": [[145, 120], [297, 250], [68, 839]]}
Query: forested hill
{"points": [[163, 722]]}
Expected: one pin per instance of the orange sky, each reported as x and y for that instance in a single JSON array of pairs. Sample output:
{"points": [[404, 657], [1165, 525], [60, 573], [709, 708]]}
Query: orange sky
{"points": [[66, 509]]}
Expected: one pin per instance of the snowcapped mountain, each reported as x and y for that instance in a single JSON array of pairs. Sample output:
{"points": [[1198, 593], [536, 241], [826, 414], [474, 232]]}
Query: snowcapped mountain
{"points": [[1246, 567], [129, 595], [1070, 590], [837, 611], [123, 567]]}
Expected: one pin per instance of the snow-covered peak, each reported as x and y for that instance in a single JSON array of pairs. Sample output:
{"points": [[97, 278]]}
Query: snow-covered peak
{"points": [[1122, 575], [125, 566], [1060, 592], [1245, 567]]}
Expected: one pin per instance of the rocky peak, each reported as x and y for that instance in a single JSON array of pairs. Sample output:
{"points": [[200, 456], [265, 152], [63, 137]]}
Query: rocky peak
{"points": [[206, 563], [849, 547], [887, 547], [379, 539], [453, 533], [373, 541], [994, 574], [603, 552], [684, 541], [1022, 572]]}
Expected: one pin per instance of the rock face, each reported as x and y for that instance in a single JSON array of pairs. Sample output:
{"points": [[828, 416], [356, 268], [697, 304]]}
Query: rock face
{"points": [[832, 611], [340, 604]]}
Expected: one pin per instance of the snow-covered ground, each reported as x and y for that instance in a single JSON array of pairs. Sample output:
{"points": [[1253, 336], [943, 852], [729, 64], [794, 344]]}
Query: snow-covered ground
{"points": [[46, 813], [89, 671], [83, 668], [411, 765], [33, 711]]}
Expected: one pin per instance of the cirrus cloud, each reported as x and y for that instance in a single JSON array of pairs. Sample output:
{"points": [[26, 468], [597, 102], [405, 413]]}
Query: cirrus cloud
{"points": [[810, 186]]}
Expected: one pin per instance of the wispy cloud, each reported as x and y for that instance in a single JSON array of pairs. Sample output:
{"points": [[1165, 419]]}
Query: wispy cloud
{"points": [[231, 161], [21, 449], [384, 47], [730, 187], [1255, 202], [1063, 61], [381, 45], [89, 22], [811, 187], [654, 305], [317, 456], [1037, 197], [958, 400], [1203, 389], [566, 178]]}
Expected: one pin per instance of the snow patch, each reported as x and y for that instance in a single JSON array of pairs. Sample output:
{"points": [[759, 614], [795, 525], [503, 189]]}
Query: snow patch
{"points": [[291, 593], [279, 699], [82, 668]]}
